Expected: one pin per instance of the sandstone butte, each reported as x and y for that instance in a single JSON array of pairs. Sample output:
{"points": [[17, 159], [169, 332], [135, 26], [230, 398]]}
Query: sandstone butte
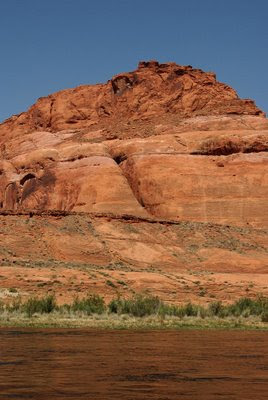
{"points": [[155, 182]]}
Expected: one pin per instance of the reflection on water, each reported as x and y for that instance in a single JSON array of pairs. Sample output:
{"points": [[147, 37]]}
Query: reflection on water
{"points": [[163, 365]]}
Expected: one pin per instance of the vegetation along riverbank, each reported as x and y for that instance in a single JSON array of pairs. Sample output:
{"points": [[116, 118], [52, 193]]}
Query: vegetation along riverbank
{"points": [[138, 312]]}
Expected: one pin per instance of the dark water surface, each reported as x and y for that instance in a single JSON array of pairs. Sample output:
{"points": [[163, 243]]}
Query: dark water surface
{"points": [[119, 365]]}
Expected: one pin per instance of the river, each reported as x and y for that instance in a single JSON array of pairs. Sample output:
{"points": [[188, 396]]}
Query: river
{"points": [[140, 365]]}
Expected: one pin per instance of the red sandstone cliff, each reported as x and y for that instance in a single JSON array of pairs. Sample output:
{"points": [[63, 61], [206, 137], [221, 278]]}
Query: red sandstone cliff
{"points": [[153, 90], [168, 146], [164, 140]]}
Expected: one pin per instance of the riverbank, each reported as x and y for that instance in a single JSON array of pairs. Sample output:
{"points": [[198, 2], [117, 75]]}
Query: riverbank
{"points": [[138, 312], [121, 322]]}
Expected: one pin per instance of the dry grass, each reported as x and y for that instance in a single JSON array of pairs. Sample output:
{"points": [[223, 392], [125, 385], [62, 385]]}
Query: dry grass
{"points": [[118, 322], [138, 312]]}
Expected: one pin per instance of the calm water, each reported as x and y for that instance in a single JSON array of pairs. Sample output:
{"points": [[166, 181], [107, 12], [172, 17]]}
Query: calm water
{"points": [[81, 364]]}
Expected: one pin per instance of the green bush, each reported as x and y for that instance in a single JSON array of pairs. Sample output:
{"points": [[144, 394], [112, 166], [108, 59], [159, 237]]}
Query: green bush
{"points": [[172, 310], [44, 305], [264, 316], [215, 308], [246, 307], [142, 305], [138, 306], [93, 304], [190, 310], [116, 306], [177, 311], [110, 283]]}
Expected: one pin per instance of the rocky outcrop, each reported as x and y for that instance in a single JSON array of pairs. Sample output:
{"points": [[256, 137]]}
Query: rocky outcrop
{"points": [[164, 141], [200, 176], [158, 175], [152, 91], [206, 176], [74, 178]]}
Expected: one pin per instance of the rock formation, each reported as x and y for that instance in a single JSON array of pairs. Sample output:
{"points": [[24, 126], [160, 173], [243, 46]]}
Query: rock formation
{"points": [[161, 146]]}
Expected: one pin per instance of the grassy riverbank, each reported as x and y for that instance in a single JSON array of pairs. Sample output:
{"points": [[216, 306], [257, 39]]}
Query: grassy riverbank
{"points": [[138, 312]]}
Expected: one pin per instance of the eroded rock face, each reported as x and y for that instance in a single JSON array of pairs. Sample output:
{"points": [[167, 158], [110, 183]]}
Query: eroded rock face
{"points": [[165, 141], [74, 255], [82, 178], [151, 91]]}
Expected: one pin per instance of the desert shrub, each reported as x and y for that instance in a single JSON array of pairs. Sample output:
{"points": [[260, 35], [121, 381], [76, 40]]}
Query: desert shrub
{"points": [[264, 316], [47, 304], [262, 305], [31, 306], [13, 290], [167, 309], [92, 304], [138, 305], [116, 306], [216, 308], [178, 311], [43, 305], [202, 312], [123, 283], [242, 305], [110, 283], [246, 307], [15, 305], [145, 305], [190, 310]]}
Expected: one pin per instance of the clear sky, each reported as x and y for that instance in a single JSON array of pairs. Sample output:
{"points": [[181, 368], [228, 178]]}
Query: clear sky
{"points": [[48, 45]]}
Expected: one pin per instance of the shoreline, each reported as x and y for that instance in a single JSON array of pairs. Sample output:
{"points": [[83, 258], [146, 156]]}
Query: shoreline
{"points": [[125, 322], [138, 312]]}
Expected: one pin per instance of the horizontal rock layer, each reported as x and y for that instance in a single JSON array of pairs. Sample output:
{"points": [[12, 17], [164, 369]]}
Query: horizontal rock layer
{"points": [[155, 181], [164, 141]]}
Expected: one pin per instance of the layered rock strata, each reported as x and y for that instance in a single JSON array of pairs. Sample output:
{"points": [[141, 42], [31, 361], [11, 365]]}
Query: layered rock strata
{"points": [[160, 173]]}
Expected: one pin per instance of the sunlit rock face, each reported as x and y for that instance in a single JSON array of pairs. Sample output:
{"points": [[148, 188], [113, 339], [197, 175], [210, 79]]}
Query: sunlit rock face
{"points": [[164, 141]]}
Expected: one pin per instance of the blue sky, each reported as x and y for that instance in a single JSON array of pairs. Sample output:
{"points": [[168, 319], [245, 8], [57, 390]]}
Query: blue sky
{"points": [[48, 45]]}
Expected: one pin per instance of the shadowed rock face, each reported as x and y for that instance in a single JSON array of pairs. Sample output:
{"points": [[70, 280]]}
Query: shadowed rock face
{"points": [[163, 141]]}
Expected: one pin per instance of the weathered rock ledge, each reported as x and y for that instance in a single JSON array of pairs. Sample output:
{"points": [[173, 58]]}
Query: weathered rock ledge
{"points": [[157, 176]]}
